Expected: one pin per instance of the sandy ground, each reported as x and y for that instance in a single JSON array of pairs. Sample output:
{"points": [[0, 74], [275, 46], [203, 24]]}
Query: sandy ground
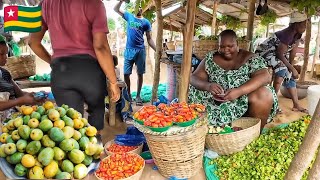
{"points": [[109, 132]]}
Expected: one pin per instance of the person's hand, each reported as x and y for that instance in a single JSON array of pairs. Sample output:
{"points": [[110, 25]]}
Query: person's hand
{"points": [[115, 92], [215, 89], [295, 73], [232, 94], [28, 99]]}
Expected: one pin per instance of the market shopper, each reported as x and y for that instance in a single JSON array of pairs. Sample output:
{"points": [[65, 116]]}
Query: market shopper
{"points": [[275, 51], [233, 83], [135, 52], [16, 96], [81, 60]]}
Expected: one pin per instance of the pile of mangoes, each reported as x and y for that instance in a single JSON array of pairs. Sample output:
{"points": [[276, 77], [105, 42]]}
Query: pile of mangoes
{"points": [[49, 142]]}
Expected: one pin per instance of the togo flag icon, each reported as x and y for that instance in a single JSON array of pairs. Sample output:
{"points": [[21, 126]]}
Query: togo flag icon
{"points": [[22, 18]]}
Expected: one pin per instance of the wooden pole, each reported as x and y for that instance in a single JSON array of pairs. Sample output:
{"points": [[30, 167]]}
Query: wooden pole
{"points": [[267, 33], [214, 17], [187, 51], [307, 149], [156, 78], [252, 6], [316, 54], [306, 51]]}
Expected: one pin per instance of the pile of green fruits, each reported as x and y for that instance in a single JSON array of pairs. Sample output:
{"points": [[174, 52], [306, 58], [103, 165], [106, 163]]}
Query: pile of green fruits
{"points": [[268, 157], [49, 142]]}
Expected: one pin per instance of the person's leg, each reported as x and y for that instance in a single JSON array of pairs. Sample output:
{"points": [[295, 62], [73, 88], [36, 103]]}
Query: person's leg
{"points": [[292, 90], [62, 85], [260, 104], [127, 69], [141, 69], [278, 79]]}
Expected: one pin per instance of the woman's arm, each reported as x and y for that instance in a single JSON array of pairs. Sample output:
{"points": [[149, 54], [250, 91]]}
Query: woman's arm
{"points": [[37, 47], [199, 78], [258, 79], [17, 89], [280, 54]]}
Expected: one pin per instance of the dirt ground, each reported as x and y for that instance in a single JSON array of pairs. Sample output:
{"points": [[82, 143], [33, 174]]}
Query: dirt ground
{"points": [[109, 132]]}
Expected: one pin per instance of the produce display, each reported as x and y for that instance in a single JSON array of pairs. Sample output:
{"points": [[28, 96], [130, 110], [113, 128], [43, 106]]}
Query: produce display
{"points": [[223, 129], [163, 116], [49, 142], [268, 157], [115, 148], [119, 166]]}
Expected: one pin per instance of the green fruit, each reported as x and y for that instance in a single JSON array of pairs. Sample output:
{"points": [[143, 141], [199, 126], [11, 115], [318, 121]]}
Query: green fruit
{"points": [[41, 110], [83, 143], [15, 135], [20, 170], [53, 115], [75, 144], [76, 156], [8, 159], [18, 122], [83, 132], [10, 125], [33, 123], [3, 138], [59, 154], [45, 125], [80, 171], [47, 142], [26, 119], [67, 166], [46, 156], [51, 170], [68, 132], [36, 115], [33, 147], [44, 117], [68, 121], [67, 145], [21, 145], [10, 140], [66, 107], [2, 153], [36, 134], [16, 157], [56, 134], [24, 132], [93, 139], [36, 173], [61, 111], [63, 175], [10, 148], [76, 135], [87, 160]]}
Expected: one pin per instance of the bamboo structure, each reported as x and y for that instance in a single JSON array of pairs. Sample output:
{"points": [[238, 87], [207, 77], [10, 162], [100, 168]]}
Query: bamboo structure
{"points": [[306, 52]]}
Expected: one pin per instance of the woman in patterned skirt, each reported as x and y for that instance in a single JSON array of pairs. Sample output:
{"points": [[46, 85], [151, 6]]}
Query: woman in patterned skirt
{"points": [[233, 83], [275, 49]]}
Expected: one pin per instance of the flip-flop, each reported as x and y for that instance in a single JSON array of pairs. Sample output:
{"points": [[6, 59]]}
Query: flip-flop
{"points": [[139, 102], [300, 110]]}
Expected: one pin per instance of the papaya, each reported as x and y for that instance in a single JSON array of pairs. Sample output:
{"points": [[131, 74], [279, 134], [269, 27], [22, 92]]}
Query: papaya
{"points": [[46, 156]]}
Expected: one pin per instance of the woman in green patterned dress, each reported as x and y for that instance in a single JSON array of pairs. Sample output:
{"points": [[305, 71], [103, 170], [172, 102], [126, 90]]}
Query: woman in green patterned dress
{"points": [[232, 83]]}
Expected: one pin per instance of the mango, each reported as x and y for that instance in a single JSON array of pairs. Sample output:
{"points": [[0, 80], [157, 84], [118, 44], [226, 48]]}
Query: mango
{"points": [[87, 160], [76, 135], [2, 153], [48, 105], [20, 170], [91, 149], [28, 161], [78, 124], [47, 142], [26, 119], [10, 125], [68, 121], [67, 166], [56, 134], [68, 132], [16, 157], [80, 171], [76, 156], [33, 147], [45, 125], [3, 138], [24, 132], [83, 143], [21, 145], [43, 117], [59, 124], [75, 144], [36, 134], [35, 115], [72, 113], [18, 122], [67, 145], [53, 115], [6, 130], [51, 170], [10, 148], [41, 110], [33, 123], [64, 106], [61, 111], [27, 110], [91, 131], [9, 139], [36, 173], [63, 175], [46, 156], [59, 154]]}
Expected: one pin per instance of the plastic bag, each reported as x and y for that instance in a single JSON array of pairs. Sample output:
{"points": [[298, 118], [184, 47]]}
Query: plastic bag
{"points": [[210, 169], [15, 48]]}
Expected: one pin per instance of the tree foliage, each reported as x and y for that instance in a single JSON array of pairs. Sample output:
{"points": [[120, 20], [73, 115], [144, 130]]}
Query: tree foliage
{"points": [[112, 24]]}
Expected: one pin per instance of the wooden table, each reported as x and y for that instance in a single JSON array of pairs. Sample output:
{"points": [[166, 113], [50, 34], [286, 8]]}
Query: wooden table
{"points": [[24, 84]]}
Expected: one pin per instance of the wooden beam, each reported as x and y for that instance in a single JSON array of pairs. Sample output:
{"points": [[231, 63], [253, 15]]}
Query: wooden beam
{"points": [[214, 17], [306, 51], [174, 11], [252, 8], [156, 77], [188, 33], [173, 22]]}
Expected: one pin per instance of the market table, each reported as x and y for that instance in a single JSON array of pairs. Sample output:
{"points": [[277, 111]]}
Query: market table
{"points": [[24, 84]]}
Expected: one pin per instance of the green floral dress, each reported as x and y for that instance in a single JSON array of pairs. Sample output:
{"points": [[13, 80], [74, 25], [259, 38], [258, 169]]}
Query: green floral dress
{"points": [[226, 112]]}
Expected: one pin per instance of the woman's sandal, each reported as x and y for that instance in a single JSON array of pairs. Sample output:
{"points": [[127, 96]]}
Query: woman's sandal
{"points": [[139, 102], [300, 110]]}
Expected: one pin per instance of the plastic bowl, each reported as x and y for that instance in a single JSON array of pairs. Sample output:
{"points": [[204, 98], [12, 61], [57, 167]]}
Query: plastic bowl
{"points": [[187, 123], [159, 129], [139, 121]]}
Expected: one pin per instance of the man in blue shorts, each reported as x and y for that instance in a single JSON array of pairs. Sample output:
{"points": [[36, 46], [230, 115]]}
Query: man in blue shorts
{"points": [[135, 52]]}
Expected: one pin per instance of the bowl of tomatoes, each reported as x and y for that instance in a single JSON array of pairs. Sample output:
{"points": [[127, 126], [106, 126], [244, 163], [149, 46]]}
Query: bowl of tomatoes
{"points": [[124, 166], [158, 122], [142, 114], [111, 147], [185, 116]]}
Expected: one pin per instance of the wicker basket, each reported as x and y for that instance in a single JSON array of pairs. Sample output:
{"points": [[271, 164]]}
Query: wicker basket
{"points": [[136, 176], [178, 155], [226, 144], [135, 151], [22, 66]]}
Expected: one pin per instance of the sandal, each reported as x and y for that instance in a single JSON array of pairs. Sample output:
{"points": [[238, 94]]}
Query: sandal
{"points": [[139, 102], [303, 110]]}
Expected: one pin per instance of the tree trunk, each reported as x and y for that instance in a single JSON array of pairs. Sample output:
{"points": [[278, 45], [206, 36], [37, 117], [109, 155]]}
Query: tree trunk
{"points": [[306, 52], [214, 17], [307, 149], [314, 173], [187, 50], [316, 54], [250, 21], [156, 77]]}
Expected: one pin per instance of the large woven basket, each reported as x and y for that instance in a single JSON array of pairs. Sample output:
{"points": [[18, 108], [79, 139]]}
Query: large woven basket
{"points": [[22, 66], [178, 155], [226, 144]]}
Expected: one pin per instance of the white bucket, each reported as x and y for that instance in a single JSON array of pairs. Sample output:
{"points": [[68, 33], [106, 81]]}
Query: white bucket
{"points": [[313, 98]]}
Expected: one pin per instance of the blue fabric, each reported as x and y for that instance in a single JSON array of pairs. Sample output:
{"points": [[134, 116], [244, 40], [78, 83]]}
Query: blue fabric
{"points": [[134, 56], [135, 30], [287, 83]]}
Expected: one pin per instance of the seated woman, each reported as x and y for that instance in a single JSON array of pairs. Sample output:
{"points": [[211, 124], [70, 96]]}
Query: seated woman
{"points": [[17, 96], [232, 83]]}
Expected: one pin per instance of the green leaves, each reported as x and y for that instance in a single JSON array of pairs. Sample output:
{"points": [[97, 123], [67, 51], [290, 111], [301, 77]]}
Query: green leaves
{"points": [[308, 6], [269, 17], [231, 22]]}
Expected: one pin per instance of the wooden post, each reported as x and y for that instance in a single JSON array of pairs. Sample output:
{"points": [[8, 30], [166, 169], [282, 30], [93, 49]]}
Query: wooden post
{"points": [[316, 54], [156, 78], [187, 51], [267, 33], [214, 17], [252, 6], [307, 149], [306, 51]]}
